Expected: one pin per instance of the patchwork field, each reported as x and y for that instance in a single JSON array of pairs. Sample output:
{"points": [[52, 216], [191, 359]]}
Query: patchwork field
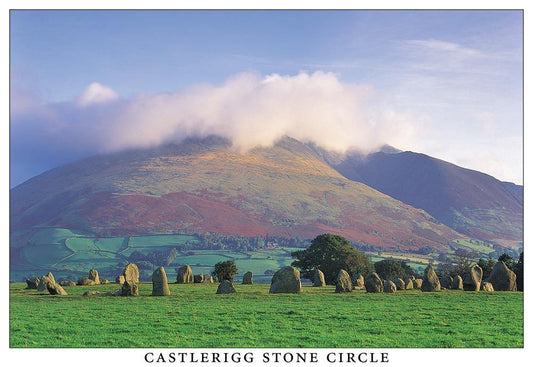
{"points": [[194, 316], [70, 255]]}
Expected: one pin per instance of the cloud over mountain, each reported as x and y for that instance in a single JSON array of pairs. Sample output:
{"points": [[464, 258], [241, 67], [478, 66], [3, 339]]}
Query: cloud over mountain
{"points": [[248, 108]]}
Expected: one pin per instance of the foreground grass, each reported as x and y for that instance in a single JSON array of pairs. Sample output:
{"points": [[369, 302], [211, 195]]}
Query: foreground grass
{"points": [[194, 316]]}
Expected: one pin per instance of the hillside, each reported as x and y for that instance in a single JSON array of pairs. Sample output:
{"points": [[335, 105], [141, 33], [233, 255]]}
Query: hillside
{"points": [[202, 185], [468, 201]]}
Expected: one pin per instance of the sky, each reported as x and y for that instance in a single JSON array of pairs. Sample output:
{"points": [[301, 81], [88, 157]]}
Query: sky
{"points": [[444, 83]]}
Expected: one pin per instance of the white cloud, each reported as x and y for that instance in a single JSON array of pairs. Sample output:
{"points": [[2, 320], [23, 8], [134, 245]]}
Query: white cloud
{"points": [[96, 93]]}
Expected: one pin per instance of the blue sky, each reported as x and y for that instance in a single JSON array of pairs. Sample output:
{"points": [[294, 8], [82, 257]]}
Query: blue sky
{"points": [[445, 83]]}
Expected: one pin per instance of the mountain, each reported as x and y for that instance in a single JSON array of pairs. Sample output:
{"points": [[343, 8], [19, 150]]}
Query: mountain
{"points": [[468, 201], [204, 185]]}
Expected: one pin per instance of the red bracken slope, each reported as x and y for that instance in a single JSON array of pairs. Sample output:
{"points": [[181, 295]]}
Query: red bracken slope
{"points": [[205, 186]]}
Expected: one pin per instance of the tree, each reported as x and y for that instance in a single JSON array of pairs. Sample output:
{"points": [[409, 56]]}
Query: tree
{"points": [[487, 266], [390, 269], [508, 260], [330, 253], [225, 270]]}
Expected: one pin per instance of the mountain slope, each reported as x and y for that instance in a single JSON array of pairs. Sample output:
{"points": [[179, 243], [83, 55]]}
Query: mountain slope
{"points": [[205, 186], [468, 201]]}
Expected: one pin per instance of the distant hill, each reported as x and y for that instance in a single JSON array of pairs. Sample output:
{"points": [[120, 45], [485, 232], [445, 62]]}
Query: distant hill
{"points": [[203, 185], [468, 201]]}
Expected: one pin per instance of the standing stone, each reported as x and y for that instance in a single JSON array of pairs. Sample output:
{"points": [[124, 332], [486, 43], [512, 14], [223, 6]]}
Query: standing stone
{"points": [[120, 279], [399, 283], [45, 279], [67, 283], [248, 278], [286, 280], [225, 287], [93, 275], [84, 280], [33, 283], [318, 278], [389, 286], [358, 281], [91, 293], [472, 280], [430, 282], [408, 283], [160, 283], [131, 273], [446, 281], [55, 289], [131, 278], [129, 289], [487, 287], [502, 278], [373, 283], [199, 278], [208, 278], [104, 281], [457, 282], [184, 275], [344, 282], [417, 283]]}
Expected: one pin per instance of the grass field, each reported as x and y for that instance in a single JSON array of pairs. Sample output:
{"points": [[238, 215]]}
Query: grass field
{"points": [[194, 316]]}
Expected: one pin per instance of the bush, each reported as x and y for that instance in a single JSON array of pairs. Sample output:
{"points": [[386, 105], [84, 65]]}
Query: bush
{"points": [[225, 270], [390, 269], [331, 253]]}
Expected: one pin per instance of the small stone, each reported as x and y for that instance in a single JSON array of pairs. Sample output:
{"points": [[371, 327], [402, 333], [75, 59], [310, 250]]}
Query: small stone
{"points": [[225, 287], [248, 278], [343, 282], [389, 286], [318, 279], [160, 283]]}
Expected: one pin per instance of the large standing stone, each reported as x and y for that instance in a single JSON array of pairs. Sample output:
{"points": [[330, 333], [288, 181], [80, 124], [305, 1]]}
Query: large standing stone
{"points": [[408, 283], [93, 275], [286, 280], [502, 278], [248, 278], [131, 278], [373, 283], [33, 283], [457, 282], [417, 283], [487, 287], [184, 275], [45, 279], [430, 282], [358, 281], [400, 284], [318, 278], [208, 278], [131, 273], [225, 287], [472, 280], [199, 278], [160, 282], [344, 282], [55, 289], [389, 286]]}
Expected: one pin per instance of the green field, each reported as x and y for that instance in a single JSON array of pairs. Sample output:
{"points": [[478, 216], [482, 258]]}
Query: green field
{"points": [[194, 316]]}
